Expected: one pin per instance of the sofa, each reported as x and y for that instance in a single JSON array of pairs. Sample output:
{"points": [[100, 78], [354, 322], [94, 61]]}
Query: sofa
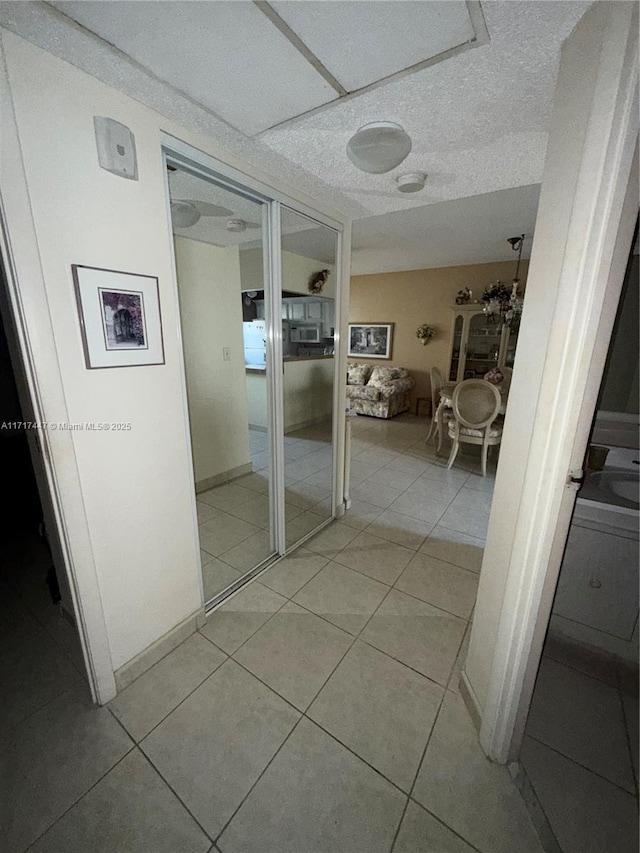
{"points": [[382, 392]]}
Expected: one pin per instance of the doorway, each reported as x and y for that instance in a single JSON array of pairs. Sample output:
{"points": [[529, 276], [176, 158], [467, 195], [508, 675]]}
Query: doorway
{"points": [[256, 284], [40, 652]]}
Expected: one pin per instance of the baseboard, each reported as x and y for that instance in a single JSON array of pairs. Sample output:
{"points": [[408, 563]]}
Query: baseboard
{"points": [[223, 477], [321, 419], [156, 651], [533, 805], [470, 700]]}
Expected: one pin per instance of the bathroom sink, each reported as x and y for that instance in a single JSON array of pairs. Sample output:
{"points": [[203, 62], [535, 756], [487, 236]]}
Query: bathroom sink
{"points": [[613, 486]]}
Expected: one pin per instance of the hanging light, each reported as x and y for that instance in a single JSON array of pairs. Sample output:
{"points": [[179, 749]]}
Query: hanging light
{"points": [[379, 147], [502, 303]]}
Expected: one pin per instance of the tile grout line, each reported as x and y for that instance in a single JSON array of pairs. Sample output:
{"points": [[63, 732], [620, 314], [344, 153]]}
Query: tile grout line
{"points": [[261, 774], [175, 794], [627, 726], [175, 708], [48, 702], [584, 766], [84, 793]]}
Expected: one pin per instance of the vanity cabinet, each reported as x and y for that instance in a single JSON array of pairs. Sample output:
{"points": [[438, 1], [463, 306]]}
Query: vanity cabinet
{"points": [[478, 343]]}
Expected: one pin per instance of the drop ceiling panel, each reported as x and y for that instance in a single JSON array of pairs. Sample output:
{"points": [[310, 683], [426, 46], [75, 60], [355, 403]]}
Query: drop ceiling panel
{"points": [[226, 56], [361, 43]]}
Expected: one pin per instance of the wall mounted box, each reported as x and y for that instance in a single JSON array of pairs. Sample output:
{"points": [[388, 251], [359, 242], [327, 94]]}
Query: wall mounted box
{"points": [[116, 147]]}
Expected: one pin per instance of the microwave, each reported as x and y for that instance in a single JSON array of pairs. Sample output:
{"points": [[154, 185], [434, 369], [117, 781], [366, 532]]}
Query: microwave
{"points": [[310, 333]]}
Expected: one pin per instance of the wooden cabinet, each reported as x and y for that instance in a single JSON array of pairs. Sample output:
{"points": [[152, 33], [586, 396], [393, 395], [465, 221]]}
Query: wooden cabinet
{"points": [[478, 343]]}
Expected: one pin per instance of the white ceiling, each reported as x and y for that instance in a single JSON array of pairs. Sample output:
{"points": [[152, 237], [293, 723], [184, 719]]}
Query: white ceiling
{"points": [[233, 57], [478, 120], [299, 234], [471, 230]]}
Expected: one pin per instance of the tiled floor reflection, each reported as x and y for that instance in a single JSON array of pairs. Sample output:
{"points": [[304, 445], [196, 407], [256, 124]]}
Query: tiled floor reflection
{"points": [[233, 518]]}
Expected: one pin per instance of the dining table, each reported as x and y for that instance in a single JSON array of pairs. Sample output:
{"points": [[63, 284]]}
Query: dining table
{"points": [[446, 395]]}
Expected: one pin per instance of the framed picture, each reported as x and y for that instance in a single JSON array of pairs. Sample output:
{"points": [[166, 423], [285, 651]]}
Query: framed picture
{"points": [[119, 317], [370, 340]]}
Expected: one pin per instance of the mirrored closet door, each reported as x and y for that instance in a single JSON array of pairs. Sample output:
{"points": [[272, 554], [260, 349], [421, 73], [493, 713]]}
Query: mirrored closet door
{"points": [[257, 322]]}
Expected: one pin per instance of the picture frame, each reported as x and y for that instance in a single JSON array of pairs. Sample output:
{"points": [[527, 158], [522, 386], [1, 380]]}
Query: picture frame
{"points": [[370, 340], [120, 317]]}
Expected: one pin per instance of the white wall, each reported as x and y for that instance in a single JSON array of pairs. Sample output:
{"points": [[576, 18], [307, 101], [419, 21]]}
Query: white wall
{"points": [[211, 318], [135, 485], [126, 497], [296, 270]]}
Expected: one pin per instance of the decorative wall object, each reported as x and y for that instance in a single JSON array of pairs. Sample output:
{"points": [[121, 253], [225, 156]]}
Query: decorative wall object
{"points": [[371, 340], [317, 281], [424, 333], [119, 317], [464, 296]]}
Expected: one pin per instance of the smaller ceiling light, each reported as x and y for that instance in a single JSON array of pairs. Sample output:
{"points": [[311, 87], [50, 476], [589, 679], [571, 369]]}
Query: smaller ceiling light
{"points": [[236, 225], [379, 147], [411, 182], [184, 214]]}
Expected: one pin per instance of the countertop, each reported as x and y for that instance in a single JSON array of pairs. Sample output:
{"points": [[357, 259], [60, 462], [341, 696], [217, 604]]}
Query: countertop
{"points": [[287, 358]]}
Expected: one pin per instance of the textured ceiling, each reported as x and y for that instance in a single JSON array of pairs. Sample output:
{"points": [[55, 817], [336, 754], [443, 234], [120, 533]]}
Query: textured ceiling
{"points": [[233, 57], [478, 120]]}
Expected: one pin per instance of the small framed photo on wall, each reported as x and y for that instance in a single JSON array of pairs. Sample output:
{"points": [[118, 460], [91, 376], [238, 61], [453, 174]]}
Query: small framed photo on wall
{"points": [[119, 317], [370, 340]]}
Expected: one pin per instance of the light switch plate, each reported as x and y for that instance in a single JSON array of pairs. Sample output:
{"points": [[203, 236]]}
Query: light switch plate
{"points": [[116, 147]]}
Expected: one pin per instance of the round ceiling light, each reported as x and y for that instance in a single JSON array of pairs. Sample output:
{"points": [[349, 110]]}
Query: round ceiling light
{"points": [[236, 225], [184, 214], [379, 147], [411, 182]]}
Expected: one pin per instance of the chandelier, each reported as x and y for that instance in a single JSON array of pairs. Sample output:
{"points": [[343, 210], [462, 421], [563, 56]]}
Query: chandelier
{"points": [[503, 303]]}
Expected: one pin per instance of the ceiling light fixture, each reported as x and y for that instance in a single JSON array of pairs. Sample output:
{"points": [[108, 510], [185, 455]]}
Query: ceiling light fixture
{"points": [[379, 147], [411, 182], [236, 225], [184, 214]]}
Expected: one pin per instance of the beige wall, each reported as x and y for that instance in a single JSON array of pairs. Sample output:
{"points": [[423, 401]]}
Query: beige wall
{"points": [[307, 393], [409, 299], [127, 498], [211, 319]]}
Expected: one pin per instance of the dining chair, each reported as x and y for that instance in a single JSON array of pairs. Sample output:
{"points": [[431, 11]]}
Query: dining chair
{"points": [[437, 381], [475, 404]]}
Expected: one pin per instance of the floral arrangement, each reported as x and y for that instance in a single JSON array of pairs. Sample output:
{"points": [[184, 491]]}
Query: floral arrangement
{"points": [[498, 291], [425, 333]]}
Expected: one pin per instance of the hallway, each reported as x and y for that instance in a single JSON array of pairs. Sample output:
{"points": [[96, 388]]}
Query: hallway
{"points": [[318, 710]]}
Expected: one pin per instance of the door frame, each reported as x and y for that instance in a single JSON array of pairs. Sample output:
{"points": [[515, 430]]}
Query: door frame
{"points": [[176, 151], [600, 223]]}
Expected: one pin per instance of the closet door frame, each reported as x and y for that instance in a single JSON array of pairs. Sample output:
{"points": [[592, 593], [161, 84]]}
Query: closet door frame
{"points": [[177, 153]]}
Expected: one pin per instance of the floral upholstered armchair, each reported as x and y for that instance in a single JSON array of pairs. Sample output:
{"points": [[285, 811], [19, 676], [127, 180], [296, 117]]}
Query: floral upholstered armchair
{"points": [[379, 391]]}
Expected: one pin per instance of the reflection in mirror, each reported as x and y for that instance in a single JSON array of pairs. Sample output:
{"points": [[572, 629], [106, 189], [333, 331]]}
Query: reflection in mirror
{"points": [[226, 374], [308, 325]]}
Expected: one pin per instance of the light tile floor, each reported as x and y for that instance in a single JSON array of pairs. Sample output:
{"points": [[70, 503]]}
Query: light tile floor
{"points": [[317, 710], [581, 749]]}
